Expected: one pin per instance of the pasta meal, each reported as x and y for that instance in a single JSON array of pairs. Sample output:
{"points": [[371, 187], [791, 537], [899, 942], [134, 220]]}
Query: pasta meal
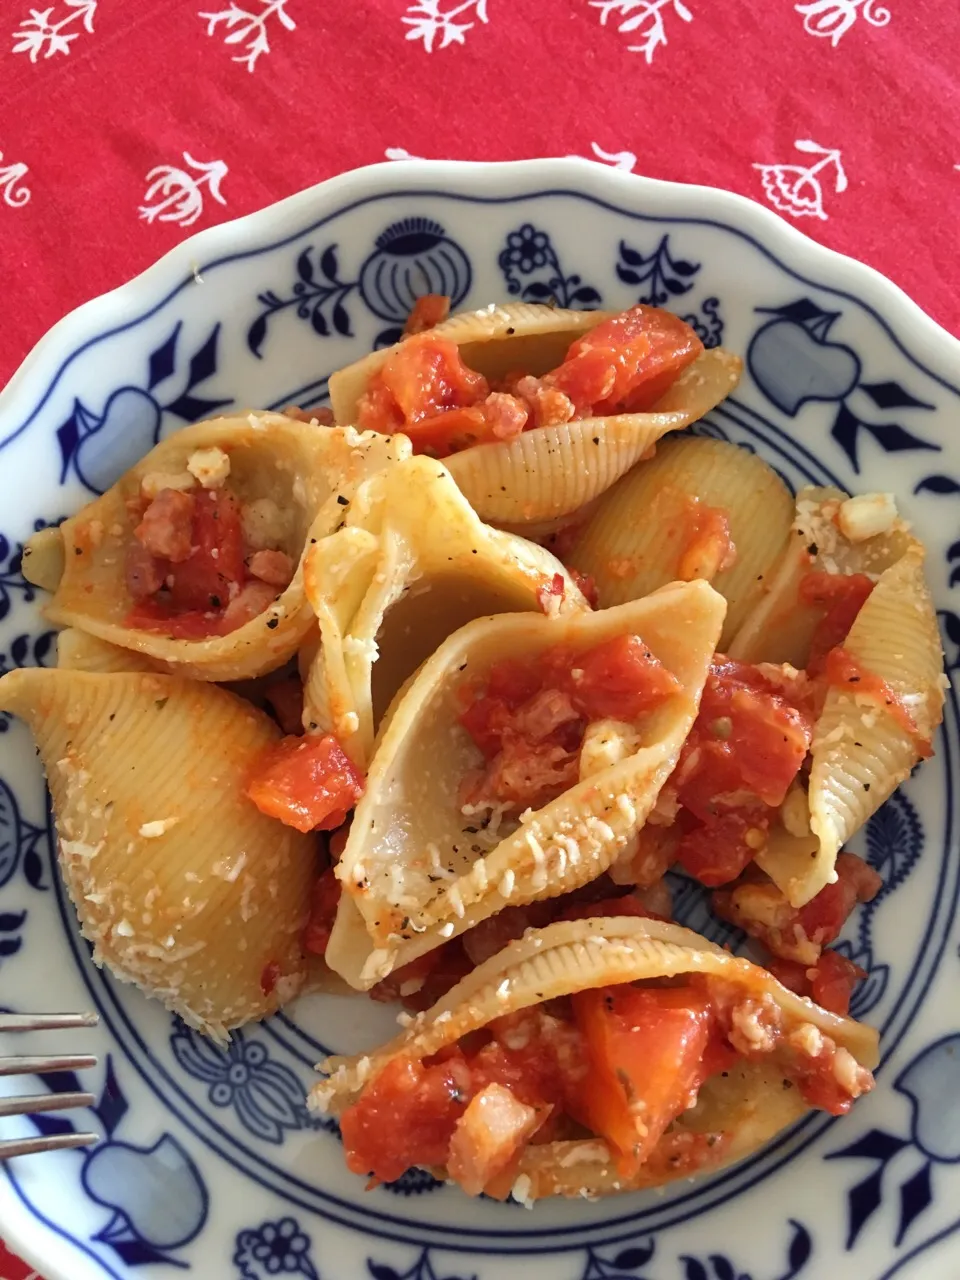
{"points": [[419, 698]]}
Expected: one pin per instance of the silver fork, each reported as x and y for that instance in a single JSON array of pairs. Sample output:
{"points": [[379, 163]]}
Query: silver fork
{"points": [[33, 1104]]}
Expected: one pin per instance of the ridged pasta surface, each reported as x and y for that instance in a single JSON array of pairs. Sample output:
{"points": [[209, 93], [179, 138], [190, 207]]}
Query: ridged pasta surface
{"points": [[302, 469], [181, 884], [416, 865], [637, 537]]}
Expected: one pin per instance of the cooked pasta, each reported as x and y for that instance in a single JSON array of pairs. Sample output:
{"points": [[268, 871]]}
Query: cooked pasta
{"points": [[707, 510], [776, 1041], [193, 557], [180, 884], [493, 658]]}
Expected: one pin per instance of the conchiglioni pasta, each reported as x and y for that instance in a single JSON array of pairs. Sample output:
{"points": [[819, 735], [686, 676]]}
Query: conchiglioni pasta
{"points": [[547, 471], [700, 509], [387, 591], [772, 1037], [420, 866], [180, 884], [285, 473]]}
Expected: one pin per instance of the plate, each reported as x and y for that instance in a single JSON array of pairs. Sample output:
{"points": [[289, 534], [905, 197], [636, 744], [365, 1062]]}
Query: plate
{"points": [[210, 1163]]}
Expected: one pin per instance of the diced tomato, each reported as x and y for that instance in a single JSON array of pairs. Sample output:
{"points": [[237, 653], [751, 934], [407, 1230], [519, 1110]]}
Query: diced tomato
{"points": [[841, 596], [817, 1081], [323, 909], [627, 362], [308, 783], [430, 309], [551, 591], [620, 678], [405, 1116], [834, 981], [843, 670], [423, 378], [645, 1049], [498, 417], [717, 851], [203, 581], [749, 736], [825, 915]]}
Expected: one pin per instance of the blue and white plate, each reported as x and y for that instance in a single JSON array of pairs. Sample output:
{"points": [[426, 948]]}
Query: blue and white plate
{"points": [[210, 1164]]}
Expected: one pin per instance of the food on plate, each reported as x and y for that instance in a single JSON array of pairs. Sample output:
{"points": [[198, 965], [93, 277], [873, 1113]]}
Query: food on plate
{"points": [[521, 759], [537, 410], [387, 589], [595, 1056], [194, 556], [181, 884], [710, 510], [452, 764]]}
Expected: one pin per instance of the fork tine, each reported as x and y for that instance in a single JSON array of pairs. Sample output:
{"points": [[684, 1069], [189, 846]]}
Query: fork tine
{"points": [[46, 1021], [55, 1142], [41, 1066], [26, 1105]]}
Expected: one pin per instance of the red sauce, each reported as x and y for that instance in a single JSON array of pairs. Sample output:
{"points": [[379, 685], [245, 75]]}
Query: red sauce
{"points": [[585, 1064], [844, 672], [841, 596], [189, 571], [624, 364], [708, 547], [829, 983], [529, 719], [309, 783], [746, 747], [429, 310], [269, 978], [323, 911]]}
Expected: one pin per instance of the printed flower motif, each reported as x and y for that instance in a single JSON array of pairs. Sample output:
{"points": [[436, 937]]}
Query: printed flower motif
{"points": [[179, 194], [526, 248], [645, 18], [37, 34], [15, 194], [832, 19], [427, 20], [242, 26], [267, 1096], [796, 189], [273, 1249]]}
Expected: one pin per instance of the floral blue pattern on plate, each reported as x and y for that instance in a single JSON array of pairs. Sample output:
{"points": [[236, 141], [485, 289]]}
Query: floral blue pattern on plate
{"points": [[210, 1163]]}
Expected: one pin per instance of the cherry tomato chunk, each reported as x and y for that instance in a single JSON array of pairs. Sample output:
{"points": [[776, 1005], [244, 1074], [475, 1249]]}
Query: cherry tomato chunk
{"points": [[308, 783]]}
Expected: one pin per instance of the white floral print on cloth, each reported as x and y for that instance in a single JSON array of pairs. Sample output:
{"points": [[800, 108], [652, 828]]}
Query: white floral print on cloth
{"points": [[42, 34], [795, 188], [250, 29], [429, 19], [625, 160], [177, 195], [646, 18], [832, 19], [13, 191]]}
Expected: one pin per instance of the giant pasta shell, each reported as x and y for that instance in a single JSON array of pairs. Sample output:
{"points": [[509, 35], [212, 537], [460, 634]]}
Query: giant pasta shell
{"points": [[860, 754], [741, 1109], [637, 536], [181, 884], [411, 565], [548, 472], [779, 628], [415, 865], [301, 468]]}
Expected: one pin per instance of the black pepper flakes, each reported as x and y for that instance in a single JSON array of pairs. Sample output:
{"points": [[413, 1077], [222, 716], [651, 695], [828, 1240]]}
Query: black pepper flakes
{"points": [[344, 502], [812, 549], [273, 623], [159, 704]]}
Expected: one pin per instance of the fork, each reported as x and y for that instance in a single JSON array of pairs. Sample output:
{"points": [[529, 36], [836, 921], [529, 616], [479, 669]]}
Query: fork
{"points": [[33, 1104]]}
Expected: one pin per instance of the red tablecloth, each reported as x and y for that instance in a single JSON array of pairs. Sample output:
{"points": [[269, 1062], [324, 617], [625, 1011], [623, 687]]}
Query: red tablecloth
{"points": [[125, 126]]}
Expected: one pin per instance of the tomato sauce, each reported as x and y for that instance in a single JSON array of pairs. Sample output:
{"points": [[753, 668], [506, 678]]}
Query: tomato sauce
{"points": [[625, 364], [708, 547], [747, 745], [841, 596], [189, 570], [619, 1062], [529, 719], [308, 783], [843, 671]]}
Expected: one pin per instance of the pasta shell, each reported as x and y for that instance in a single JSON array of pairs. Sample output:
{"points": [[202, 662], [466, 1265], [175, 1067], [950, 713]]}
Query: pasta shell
{"points": [[741, 1109], [182, 885], [302, 469], [551, 471], [414, 864], [635, 540], [385, 600], [43, 559], [779, 628], [79, 651], [494, 340]]}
